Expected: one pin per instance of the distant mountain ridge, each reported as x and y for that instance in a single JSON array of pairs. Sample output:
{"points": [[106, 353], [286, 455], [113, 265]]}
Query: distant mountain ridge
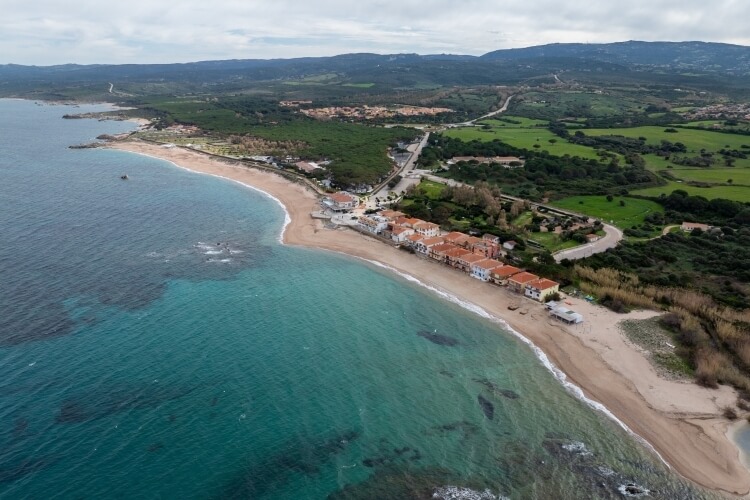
{"points": [[643, 61], [697, 55]]}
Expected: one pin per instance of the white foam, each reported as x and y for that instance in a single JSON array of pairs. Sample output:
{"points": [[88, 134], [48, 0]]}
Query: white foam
{"points": [[213, 252], [287, 218], [556, 372], [220, 260], [460, 493], [578, 448]]}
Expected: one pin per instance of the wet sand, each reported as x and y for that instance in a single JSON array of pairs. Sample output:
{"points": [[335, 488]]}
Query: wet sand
{"points": [[679, 421]]}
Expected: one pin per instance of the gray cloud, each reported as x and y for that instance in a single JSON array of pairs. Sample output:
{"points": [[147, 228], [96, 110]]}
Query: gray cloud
{"points": [[144, 31]]}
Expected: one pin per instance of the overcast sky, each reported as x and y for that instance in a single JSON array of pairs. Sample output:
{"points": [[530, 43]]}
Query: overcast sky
{"points": [[46, 32]]}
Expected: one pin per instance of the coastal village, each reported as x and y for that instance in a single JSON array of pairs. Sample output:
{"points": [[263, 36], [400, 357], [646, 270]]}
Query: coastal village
{"points": [[477, 257]]}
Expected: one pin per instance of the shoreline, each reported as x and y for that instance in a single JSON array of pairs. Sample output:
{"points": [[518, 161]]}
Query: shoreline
{"points": [[680, 422]]}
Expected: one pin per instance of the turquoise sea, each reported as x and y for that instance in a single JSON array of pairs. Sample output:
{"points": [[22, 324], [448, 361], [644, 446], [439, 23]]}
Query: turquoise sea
{"points": [[156, 341]]}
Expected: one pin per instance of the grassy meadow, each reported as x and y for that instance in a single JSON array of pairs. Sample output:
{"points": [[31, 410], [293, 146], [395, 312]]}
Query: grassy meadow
{"points": [[633, 213], [522, 137]]}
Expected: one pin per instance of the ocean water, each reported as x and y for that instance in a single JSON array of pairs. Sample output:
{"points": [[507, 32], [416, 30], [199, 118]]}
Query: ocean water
{"points": [[156, 341]]}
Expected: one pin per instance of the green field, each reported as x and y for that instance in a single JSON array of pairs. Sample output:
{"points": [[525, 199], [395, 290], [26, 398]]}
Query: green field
{"points": [[714, 175], [693, 139], [359, 85], [552, 241], [633, 213], [523, 138], [508, 122], [432, 190], [736, 193]]}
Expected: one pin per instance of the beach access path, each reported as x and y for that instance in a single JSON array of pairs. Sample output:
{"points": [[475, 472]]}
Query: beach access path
{"points": [[681, 421]]}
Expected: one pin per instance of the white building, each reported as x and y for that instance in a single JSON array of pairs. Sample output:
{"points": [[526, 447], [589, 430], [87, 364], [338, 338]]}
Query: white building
{"points": [[427, 229], [566, 315], [339, 202], [483, 268], [372, 223], [400, 234]]}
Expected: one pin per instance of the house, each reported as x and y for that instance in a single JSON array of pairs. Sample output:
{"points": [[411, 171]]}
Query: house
{"points": [[500, 275], [518, 282], [482, 268], [590, 238], [340, 202], [427, 229], [413, 239], [423, 246], [566, 315], [399, 234], [438, 251], [470, 242], [464, 262], [541, 289], [509, 245], [689, 226], [374, 224], [391, 215], [451, 256], [455, 237], [407, 221], [491, 238]]}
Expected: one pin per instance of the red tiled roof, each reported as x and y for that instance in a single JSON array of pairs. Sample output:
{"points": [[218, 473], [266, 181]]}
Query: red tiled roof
{"points": [[342, 198], [488, 264], [523, 278], [400, 229], [436, 240], [443, 247], [543, 284], [505, 271]]}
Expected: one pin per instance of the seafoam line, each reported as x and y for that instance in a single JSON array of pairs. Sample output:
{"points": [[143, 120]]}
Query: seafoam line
{"points": [[556, 372]]}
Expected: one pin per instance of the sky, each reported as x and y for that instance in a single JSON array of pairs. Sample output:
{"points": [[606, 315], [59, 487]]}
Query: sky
{"points": [[45, 32]]}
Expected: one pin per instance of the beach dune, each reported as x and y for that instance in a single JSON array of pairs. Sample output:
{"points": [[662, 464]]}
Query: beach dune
{"points": [[679, 421]]}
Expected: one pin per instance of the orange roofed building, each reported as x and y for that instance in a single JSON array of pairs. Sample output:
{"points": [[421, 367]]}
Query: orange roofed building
{"points": [[500, 275], [339, 202], [518, 282], [540, 289]]}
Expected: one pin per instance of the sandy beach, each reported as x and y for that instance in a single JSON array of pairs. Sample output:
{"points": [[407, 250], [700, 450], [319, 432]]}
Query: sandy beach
{"points": [[680, 421]]}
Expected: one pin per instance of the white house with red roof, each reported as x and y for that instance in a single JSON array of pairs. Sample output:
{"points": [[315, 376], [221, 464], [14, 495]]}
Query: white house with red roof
{"points": [[427, 229], [340, 202], [400, 234]]}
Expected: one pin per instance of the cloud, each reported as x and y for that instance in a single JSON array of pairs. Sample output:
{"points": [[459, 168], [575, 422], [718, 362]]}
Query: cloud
{"points": [[144, 31]]}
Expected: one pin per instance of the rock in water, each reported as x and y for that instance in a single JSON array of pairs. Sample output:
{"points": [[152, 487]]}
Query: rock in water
{"points": [[487, 407], [438, 339]]}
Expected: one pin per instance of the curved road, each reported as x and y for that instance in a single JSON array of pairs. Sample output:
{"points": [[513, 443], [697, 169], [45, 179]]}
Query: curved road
{"points": [[611, 239]]}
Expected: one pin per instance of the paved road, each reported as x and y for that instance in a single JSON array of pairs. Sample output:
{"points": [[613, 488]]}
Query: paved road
{"points": [[609, 240], [470, 123], [404, 172]]}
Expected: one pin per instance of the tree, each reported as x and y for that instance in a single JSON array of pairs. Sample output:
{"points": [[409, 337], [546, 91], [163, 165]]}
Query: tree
{"points": [[610, 197], [622, 203]]}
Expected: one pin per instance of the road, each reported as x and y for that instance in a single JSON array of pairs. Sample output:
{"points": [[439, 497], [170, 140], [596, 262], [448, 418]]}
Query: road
{"points": [[404, 172], [611, 239], [470, 123]]}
